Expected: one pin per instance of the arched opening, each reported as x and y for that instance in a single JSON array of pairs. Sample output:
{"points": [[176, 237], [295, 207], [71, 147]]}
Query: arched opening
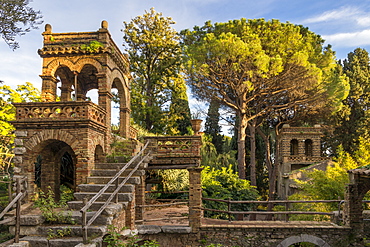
{"points": [[303, 240], [115, 121], [93, 96], [294, 147], [99, 156], [54, 165], [65, 89], [303, 244], [87, 80], [308, 147], [120, 113]]}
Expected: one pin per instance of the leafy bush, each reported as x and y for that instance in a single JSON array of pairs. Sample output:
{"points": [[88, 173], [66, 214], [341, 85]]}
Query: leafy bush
{"points": [[48, 206], [116, 239], [224, 184]]}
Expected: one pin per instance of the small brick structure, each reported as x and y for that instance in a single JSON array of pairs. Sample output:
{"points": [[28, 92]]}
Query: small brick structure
{"points": [[299, 147], [66, 124]]}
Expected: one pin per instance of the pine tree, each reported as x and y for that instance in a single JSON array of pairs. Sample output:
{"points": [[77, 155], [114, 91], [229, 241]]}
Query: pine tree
{"points": [[212, 126], [353, 120]]}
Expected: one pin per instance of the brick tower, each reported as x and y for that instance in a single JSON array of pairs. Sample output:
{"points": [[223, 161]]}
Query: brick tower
{"points": [[300, 147], [59, 139]]}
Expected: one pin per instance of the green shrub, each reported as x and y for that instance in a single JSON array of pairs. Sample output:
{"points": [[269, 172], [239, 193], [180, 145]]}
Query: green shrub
{"points": [[224, 184], [115, 239]]}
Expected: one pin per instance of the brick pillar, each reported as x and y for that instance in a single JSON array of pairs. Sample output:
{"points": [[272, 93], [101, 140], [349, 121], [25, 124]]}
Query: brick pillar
{"points": [[124, 122], [353, 207], [140, 200], [105, 98], [195, 198], [130, 213], [49, 88]]}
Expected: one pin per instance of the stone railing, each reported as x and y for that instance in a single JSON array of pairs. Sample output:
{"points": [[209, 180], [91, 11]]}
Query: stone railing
{"points": [[70, 110], [301, 130], [174, 151], [133, 133], [303, 158]]}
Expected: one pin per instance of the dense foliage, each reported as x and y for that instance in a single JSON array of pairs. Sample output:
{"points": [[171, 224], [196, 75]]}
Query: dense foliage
{"points": [[225, 184], [330, 184], [17, 18], [256, 67], [154, 50]]}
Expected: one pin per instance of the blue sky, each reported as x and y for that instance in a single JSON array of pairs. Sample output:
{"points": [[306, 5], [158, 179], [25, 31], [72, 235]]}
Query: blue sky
{"points": [[343, 24]]}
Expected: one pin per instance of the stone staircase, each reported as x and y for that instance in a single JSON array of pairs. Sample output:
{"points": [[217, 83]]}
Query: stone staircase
{"points": [[37, 233]]}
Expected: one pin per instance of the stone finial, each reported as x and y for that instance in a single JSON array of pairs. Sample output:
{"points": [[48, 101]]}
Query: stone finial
{"points": [[48, 28], [104, 24]]}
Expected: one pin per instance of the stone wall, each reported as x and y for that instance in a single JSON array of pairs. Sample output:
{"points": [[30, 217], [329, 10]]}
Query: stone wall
{"points": [[249, 236]]}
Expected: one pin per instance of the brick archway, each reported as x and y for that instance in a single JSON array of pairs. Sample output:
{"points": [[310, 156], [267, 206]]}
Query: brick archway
{"points": [[51, 154], [303, 238]]}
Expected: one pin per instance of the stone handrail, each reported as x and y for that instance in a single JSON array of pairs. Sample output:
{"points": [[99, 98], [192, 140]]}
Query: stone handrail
{"points": [[60, 111], [174, 150]]}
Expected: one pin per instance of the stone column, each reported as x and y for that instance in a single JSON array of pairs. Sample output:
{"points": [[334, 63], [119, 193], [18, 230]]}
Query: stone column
{"points": [[140, 199], [124, 122], [105, 98], [49, 88], [195, 198]]}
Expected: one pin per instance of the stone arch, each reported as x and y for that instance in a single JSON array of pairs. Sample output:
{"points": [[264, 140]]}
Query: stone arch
{"points": [[56, 134], [81, 62], [52, 66], [52, 171], [303, 238]]}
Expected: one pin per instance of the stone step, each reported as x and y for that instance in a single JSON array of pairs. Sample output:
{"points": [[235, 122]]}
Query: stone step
{"points": [[113, 172], [28, 220], [104, 180], [122, 197], [110, 166], [97, 187], [101, 220], [113, 166], [67, 230], [42, 241], [77, 205]]}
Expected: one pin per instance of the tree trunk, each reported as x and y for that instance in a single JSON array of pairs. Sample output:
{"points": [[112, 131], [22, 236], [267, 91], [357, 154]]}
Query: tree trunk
{"points": [[243, 123], [252, 164], [270, 167]]}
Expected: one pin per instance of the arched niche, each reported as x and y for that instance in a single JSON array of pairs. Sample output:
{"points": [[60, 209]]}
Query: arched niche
{"points": [[294, 147], [99, 155], [308, 147]]}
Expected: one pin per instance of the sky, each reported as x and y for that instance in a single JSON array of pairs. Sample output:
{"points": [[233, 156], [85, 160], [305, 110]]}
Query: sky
{"points": [[343, 24]]}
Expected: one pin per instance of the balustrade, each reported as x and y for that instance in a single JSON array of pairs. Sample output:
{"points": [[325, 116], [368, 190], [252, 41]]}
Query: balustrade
{"points": [[60, 111]]}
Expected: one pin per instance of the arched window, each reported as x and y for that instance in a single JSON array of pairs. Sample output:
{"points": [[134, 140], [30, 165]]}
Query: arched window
{"points": [[308, 147], [294, 147]]}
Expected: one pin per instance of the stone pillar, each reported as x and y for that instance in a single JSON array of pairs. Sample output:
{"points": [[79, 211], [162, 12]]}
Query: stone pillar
{"points": [[195, 198], [140, 200], [66, 91], [105, 98], [124, 122], [130, 213], [49, 88]]}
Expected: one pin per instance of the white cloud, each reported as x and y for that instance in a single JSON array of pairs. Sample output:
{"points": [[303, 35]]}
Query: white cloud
{"points": [[349, 39], [345, 12]]}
